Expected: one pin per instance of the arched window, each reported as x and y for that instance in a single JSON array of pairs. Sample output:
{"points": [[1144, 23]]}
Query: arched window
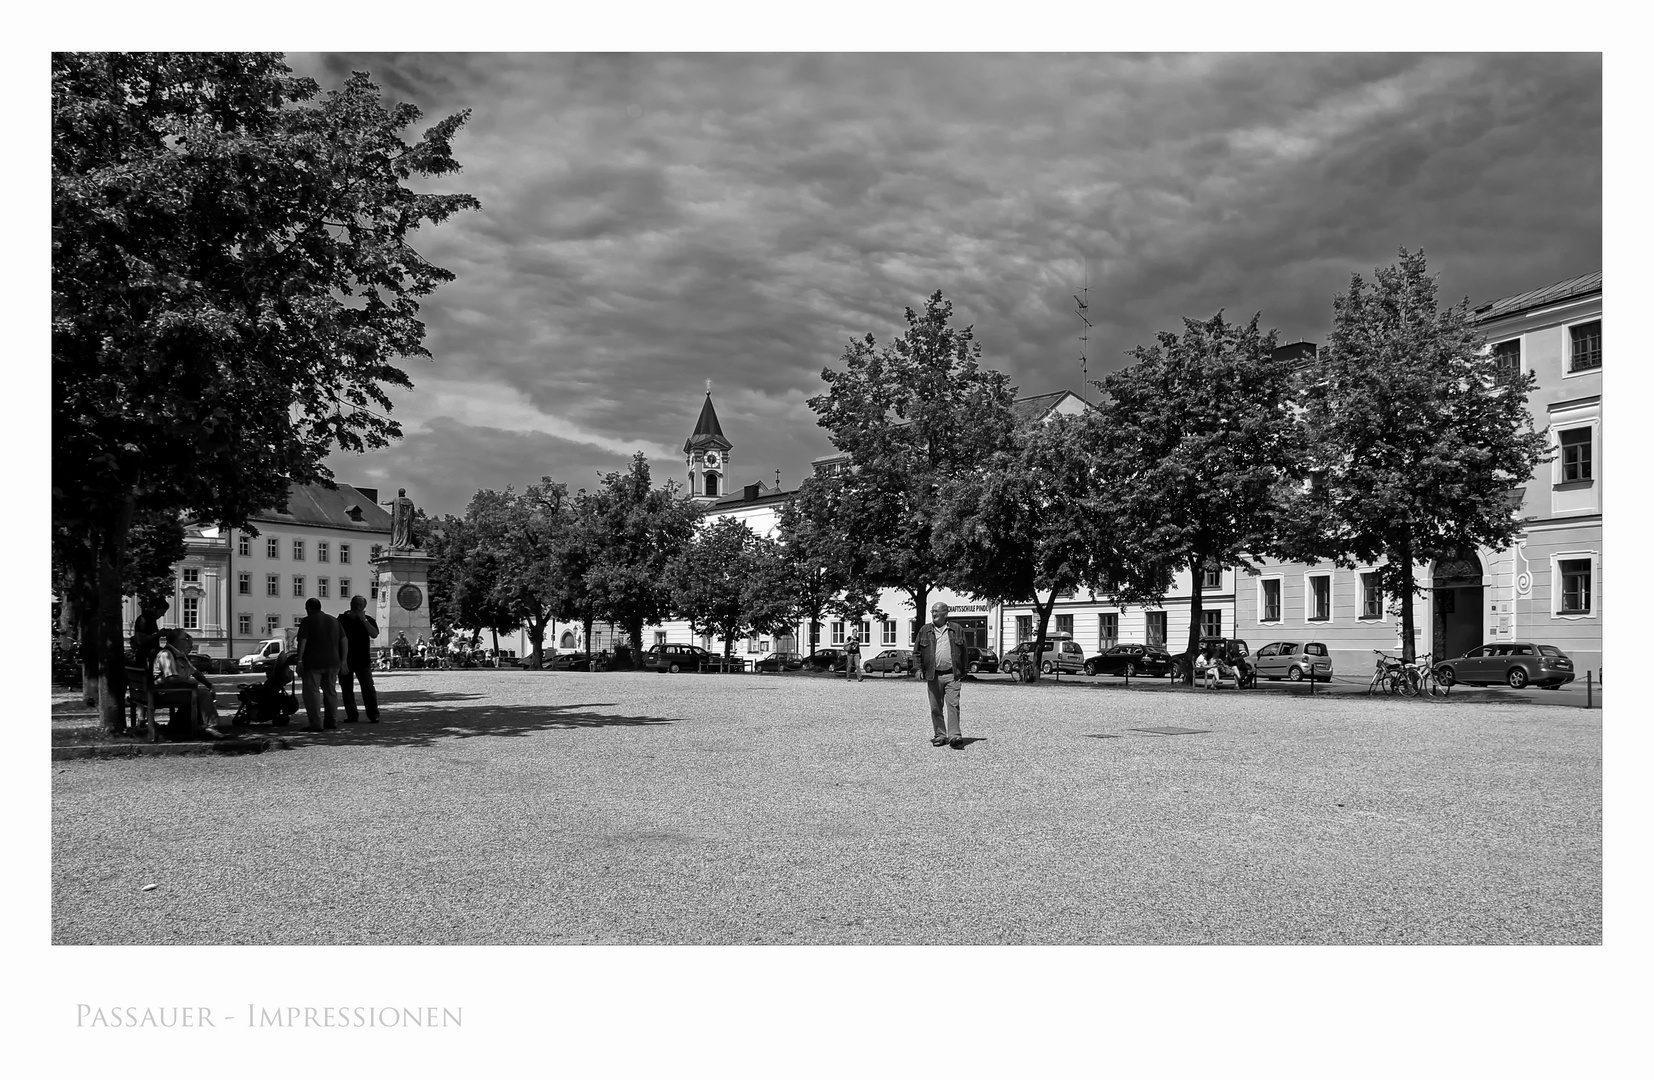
{"points": [[711, 483]]}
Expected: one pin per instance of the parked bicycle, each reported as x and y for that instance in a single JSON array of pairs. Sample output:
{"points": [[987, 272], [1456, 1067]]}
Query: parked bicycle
{"points": [[1386, 674]]}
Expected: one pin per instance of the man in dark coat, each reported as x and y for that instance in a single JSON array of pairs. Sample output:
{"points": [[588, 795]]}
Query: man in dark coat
{"points": [[360, 629], [941, 654]]}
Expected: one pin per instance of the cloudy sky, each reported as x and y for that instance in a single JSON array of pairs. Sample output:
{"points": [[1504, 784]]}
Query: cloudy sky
{"points": [[653, 221]]}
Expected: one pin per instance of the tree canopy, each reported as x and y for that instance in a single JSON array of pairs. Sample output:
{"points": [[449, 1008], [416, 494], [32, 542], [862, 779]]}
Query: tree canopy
{"points": [[639, 529], [910, 416], [233, 284], [1201, 435], [1415, 442]]}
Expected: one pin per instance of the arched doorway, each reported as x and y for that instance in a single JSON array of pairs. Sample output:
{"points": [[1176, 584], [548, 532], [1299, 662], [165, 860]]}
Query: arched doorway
{"points": [[567, 641], [1456, 604]]}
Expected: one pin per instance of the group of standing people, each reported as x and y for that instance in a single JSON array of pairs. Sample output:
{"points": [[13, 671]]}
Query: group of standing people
{"points": [[332, 652]]}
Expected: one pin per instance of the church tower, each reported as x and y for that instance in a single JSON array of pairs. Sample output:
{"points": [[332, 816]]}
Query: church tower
{"points": [[706, 453]]}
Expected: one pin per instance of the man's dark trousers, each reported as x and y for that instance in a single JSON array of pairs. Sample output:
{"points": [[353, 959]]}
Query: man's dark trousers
{"points": [[370, 696]]}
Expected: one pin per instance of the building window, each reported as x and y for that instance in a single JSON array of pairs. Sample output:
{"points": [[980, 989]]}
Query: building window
{"points": [[660, 637], [322, 551], [1211, 624], [344, 552], [1320, 598], [1211, 578], [1025, 628], [1576, 585], [298, 620], [1108, 630], [815, 636], [272, 623], [1270, 605], [866, 633], [711, 483], [1156, 628], [344, 588], [373, 552], [298, 550], [244, 624], [1065, 625], [272, 584], [373, 589], [321, 587], [1372, 601], [298, 584], [1587, 346], [244, 548], [272, 548], [192, 575], [1507, 361], [838, 631], [889, 632], [752, 643], [192, 613], [1576, 454]]}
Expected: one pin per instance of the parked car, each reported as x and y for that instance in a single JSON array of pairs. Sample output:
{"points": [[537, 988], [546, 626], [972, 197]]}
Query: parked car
{"points": [[900, 660], [1294, 661], [828, 660], [213, 665], [1131, 660], [779, 661], [569, 662], [1062, 653], [1516, 664], [263, 657], [676, 658], [981, 659]]}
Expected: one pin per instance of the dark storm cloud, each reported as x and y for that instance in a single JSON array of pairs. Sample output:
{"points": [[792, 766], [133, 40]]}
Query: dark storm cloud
{"points": [[654, 221]]}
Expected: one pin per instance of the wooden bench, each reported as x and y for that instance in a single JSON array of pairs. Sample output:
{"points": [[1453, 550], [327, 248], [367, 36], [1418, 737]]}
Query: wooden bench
{"points": [[141, 692]]}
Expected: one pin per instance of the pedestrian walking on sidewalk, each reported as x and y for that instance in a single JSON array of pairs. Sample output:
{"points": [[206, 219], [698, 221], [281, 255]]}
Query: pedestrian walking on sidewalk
{"points": [[941, 652]]}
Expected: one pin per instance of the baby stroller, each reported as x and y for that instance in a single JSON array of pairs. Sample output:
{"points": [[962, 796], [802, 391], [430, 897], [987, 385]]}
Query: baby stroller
{"points": [[271, 701]]}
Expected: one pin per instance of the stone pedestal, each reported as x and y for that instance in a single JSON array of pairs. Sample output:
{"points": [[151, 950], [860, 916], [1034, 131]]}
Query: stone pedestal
{"points": [[404, 596]]}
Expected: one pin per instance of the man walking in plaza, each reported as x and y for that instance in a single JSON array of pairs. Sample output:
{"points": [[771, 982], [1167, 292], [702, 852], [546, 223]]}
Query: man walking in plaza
{"points": [[322, 649], [941, 649], [360, 629], [852, 654]]}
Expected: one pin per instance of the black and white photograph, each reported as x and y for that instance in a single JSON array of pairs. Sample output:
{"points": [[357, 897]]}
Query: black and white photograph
{"points": [[929, 510]]}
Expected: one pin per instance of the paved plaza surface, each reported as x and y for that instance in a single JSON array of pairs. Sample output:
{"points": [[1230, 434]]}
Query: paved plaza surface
{"points": [[527, 807]]}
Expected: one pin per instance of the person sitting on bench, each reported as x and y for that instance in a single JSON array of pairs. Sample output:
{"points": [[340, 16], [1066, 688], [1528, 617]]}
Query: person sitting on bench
{"points": [[173, 670]]}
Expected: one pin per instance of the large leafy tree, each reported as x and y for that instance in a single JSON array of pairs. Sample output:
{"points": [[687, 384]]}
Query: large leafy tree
{"points": [[520, 538], [816, 567], [640, 529], [233, 283], [1414, 440], [1201, 432], [721, 583], [912, 416], [1041, 520]]}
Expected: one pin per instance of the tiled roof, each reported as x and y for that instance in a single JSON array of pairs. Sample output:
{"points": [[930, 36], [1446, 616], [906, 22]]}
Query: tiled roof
{"points": [[1035, 408], [1585, 285], [313, 504], [707, 432]]}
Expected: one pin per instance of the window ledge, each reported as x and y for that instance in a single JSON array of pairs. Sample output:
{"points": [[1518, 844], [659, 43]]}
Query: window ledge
{"points": [[1323, 618], [1573, 485]]}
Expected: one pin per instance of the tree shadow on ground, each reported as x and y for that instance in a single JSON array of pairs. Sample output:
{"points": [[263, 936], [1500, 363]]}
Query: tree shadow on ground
{"points": [[430, 727], [418, 697]]}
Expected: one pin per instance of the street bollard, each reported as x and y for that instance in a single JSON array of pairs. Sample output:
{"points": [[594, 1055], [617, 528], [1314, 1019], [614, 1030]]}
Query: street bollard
{"points": [[1587, 689]]}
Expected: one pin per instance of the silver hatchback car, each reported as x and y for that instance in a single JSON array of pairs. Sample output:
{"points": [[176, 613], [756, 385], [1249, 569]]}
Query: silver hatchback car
{"points": [[1294, 660]]}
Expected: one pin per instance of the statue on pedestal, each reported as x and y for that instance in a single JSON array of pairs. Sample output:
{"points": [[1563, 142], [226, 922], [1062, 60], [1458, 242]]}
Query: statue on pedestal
{"points": [[402, 521]]}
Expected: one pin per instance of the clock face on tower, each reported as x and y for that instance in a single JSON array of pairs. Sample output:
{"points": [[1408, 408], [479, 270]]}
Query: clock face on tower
{"points": [[712, 458]]}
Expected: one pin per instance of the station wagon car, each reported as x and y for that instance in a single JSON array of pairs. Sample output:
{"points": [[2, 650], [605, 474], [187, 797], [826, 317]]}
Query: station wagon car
{"points": [[1131, 660], [1516, 664], [900, 660]]}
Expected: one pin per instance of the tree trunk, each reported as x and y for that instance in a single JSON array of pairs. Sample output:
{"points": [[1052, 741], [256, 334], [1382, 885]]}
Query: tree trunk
{"points": [[1407, 654], [586, 625], [494, 631], [111, 552], [1039, 634], [1197, 605], [537, 635], [634, 631], [90, 667], [920, 616]]}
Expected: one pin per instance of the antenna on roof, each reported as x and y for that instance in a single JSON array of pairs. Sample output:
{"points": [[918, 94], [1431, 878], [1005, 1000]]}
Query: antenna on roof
{"points": [[1085, 329]]}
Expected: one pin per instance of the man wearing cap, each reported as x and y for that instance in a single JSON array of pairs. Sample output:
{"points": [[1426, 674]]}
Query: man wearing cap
{"points": [[941, 649], [360, 629]]}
